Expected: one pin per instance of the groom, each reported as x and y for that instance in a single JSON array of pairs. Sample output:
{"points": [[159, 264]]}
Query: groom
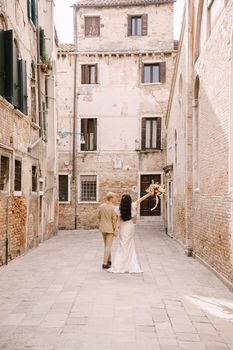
{"points": [[107, 225]]}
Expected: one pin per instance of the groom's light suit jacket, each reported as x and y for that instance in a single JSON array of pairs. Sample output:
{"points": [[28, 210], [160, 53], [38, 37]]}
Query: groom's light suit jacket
{"points": [[107, 218]]}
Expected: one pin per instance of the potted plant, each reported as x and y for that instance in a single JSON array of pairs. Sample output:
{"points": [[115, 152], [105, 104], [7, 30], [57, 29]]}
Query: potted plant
{"points": [[46, 64]]}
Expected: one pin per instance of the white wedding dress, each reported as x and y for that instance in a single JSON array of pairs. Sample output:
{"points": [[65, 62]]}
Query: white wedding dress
{"points": [[126, 259]]}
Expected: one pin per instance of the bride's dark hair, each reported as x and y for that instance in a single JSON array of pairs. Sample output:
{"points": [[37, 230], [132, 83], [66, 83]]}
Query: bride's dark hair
{"points": [[125, 207]]}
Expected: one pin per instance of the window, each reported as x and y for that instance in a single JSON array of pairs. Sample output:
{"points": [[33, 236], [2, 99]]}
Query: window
{"points": [[88, 186], [154, 73], [32, 11], [89, 134], [63, 188], [92, 26], [18, 175], [137, 25], [13, 72], [151, 133], [89, 74], [4, 173], [34, 178]]}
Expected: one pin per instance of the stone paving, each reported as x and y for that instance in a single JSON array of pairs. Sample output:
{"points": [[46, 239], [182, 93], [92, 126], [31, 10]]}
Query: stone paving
{"points": [[57, 297]]}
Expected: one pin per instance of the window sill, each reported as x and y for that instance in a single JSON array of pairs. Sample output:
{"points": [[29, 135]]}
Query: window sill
{"points": [[196, 190], [35, 126], [91, 202], [91, 84], [65, 202], [5, 193], [149, 150], [89, 152], [149, 84], [17, 193]]}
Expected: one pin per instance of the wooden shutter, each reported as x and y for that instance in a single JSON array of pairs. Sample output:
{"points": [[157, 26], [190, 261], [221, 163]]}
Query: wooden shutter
{"points": [[159, 133], [84, 146], [84, 74], [144, 24], [96, 73], [143, 133], [129, 25], [95, 134], [23, 86], [42, 43], [162, 72], [2, 64]]}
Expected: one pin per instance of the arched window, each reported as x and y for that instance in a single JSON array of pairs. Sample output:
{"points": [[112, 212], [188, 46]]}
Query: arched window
{"points": [[196, 133]]}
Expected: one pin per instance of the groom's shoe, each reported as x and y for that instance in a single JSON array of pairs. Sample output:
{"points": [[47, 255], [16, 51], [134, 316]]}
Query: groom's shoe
{"points": [[109, 263], [105, 266]]}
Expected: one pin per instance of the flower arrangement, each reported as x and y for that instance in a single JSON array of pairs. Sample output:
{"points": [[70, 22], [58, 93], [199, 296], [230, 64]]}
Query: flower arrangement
{"points": [[156, 190], [46, 64]]}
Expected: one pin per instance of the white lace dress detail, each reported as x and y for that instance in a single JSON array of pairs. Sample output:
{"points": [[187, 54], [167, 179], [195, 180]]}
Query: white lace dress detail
{"points": [[126, 259]]}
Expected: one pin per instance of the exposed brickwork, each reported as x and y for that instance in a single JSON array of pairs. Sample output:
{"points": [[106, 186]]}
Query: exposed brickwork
{"points": [[207, 209]]}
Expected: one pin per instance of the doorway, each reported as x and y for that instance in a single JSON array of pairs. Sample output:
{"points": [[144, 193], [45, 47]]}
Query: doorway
{"points": [[147, 205]]}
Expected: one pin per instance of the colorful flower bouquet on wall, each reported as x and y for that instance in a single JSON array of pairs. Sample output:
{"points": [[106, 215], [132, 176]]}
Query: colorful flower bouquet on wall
{"points": [[156, 190]]}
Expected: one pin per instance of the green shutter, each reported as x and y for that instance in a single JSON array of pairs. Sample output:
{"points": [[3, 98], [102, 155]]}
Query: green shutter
{"points": [[2, 64], [42, 43], [11, 69], [23, 86], [34, 11]]}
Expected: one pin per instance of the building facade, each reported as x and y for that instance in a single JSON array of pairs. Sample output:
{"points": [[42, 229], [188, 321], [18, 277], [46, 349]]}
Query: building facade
{"points": [[112, 126], [28, 161], [200, 136]]}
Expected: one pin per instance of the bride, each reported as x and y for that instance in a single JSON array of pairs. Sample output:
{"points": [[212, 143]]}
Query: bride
{"points": [[126, 258]]}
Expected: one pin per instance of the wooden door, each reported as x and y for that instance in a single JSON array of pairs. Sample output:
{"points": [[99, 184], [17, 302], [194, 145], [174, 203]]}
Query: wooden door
{"points": [[145, 208]]}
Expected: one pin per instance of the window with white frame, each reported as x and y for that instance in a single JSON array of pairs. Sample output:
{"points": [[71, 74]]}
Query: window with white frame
{"points": [[4, 172], [63, 187], [89, 134], [88, 188]]}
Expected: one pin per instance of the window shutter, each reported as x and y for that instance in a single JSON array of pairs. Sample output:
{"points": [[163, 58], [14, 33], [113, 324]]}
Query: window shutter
{"points": [[84, 74], [11, 69], [95, 134], [143, 133], [143, 72], [162, 72], [144, 24], [34, 11], [96, 73], [84, 146], [42, 43], [2, 64], [159, 133], [129, 25], [23, 86], [29, 9]]}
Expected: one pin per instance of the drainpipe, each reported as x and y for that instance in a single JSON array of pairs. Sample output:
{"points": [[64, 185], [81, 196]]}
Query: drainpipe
{"points": [[74, 170], [38, 73]]}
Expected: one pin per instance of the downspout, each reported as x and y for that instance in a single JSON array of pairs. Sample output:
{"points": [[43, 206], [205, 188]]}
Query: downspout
{"points": [[38, 72], [74, 170]]}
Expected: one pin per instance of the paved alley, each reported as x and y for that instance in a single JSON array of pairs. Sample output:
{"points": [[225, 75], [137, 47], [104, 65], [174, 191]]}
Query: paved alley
{"points": [[57, 297]]}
